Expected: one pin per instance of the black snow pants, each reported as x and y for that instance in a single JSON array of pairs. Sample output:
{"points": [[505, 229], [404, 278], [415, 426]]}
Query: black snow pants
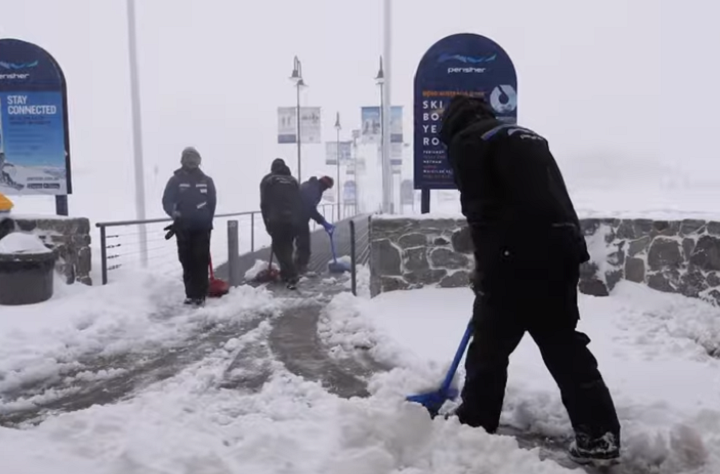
{"points": [[302, 258], [194, 255], [543, 303], [283, 240]]}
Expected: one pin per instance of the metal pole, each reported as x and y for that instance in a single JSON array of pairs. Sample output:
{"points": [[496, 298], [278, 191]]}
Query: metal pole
{"points": [[353, 259], [103, 255], [252, 232], [137, 132], [339, 188], [299, 152], [386, 107], [233, 252]]}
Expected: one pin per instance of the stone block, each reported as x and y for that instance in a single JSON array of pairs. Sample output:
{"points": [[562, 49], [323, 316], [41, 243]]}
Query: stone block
{"points": [[441, 241], [692, 283], [462, 240], [691, 226], [639, 245], [663, 253], [416, 259], [712, 279], [385, 258], [706, 254], [446, 258], [593, 287], [658, 281], [665, 228], [713, 228], [635, 270], [412, 240]]}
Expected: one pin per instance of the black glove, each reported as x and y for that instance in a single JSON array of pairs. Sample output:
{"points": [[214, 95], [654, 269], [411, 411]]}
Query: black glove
{"points": [[170, 231]]}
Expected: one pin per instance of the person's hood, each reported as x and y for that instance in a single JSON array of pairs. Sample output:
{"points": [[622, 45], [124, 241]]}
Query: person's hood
{"points": [[279, 167], [462, 112], [190, 158]]}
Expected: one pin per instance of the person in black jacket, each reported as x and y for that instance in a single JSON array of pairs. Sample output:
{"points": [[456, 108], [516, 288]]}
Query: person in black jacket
{"points": [[528, 250], [281, 207], [190, 199], [311, 192]]}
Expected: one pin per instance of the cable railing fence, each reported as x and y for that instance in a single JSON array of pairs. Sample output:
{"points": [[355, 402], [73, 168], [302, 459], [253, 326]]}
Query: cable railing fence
{"points": [[243, 232]]}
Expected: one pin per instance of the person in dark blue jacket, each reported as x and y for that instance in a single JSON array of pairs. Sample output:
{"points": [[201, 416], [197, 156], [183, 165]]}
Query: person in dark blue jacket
{"points": [[311, 192], [190, 199]]}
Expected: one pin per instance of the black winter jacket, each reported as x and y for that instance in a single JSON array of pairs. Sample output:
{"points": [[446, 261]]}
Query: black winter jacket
{"points": [[513, 196], [280, 201], [191, 194], [312, 192]]}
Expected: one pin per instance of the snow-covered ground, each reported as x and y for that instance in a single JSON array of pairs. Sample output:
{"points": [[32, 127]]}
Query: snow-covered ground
{"points": [[653, 350]]}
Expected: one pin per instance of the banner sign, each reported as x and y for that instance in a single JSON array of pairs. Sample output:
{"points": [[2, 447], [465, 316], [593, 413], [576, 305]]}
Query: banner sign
{"points": [[349, 192], [331, 152], [463, 63], [407, 192], [34, 135], [371, 119], [310, 125]]}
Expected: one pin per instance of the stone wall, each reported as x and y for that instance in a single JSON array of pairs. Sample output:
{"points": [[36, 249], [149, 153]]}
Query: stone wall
{"points": [[69, 237], [670, 256]]}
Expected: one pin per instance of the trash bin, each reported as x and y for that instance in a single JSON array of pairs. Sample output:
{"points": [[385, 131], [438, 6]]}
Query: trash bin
{"points": [[26, 274]]}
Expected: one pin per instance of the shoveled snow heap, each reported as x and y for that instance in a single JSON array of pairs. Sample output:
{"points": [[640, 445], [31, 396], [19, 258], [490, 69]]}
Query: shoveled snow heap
{"points": [[22, 243]]}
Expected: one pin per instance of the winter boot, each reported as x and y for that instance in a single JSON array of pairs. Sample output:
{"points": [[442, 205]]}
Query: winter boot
{"points": [[603, 451], [188, 301], [291, 284]]}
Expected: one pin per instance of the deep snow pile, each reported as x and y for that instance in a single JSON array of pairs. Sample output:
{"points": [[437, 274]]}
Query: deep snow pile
{"points": [[653, 349]]}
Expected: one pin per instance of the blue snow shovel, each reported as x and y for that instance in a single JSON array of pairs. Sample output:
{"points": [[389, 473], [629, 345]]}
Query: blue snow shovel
{"points": [[433, 401], [335, 266]]}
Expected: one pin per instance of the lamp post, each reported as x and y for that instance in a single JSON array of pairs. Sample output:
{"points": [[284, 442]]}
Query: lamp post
{"points": [[297, 78], [380, 80], [387, 106], [137, 132], [338, 127]]}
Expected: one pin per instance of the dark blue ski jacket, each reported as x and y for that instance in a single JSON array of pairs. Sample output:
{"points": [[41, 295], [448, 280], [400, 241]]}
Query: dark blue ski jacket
{"points": [[190, 199], [311, 192]]}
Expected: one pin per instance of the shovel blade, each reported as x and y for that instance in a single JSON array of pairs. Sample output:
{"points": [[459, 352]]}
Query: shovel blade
{"points": [[433, 401]]}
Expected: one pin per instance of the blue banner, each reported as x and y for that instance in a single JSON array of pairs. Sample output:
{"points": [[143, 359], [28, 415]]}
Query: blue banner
{"points": [[463, 63], [34, 136]]}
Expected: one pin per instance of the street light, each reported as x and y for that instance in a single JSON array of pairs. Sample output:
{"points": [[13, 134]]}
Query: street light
{"points": [[380, 80], [338, 127], [297, 78]]}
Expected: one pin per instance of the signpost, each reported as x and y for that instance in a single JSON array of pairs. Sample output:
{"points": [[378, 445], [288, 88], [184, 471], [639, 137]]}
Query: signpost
{"points": [[464, 63], [34, 134]]}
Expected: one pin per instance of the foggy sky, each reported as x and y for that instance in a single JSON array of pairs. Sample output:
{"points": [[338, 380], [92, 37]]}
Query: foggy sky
{"points": [[621, 88]]}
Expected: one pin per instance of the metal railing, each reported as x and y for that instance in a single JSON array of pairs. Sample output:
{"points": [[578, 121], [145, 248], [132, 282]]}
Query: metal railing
{"points": [[120, 240]]}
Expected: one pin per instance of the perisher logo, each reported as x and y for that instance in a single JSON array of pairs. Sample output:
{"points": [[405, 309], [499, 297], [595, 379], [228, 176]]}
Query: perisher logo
{"points": [[471, 62], [8, 66], [18, 66]]}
